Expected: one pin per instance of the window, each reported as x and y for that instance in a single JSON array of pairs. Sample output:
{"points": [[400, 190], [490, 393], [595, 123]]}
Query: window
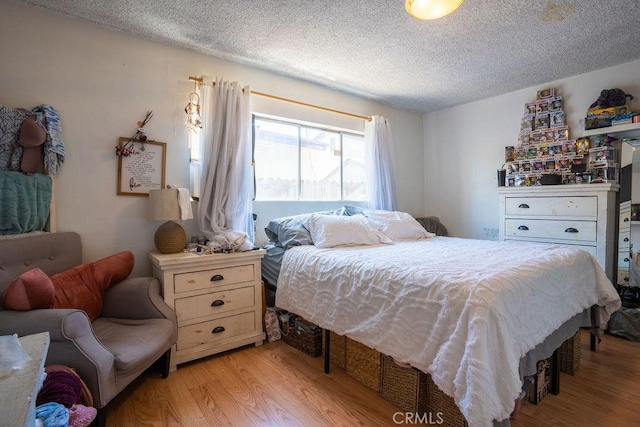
{"points": [[301, 162]]}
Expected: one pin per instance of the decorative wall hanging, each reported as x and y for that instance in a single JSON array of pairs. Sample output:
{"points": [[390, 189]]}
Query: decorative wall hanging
{"points": [[127, 148], [143, 168], [192, 109]]}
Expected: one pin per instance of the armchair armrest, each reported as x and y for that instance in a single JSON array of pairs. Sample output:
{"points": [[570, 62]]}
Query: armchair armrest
{"points": [[136, 298], [73, 343]]}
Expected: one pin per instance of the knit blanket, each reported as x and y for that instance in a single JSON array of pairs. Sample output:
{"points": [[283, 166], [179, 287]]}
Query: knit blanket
{"points": [[25, 202], [465, 311]]}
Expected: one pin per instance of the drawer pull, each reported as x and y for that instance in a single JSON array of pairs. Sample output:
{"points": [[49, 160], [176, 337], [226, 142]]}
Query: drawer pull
{"points": [[626, 260], [217, 303], [626, 220], [217, 278], [523, 227], [218, 330], [524, 206], [626, 239], [570, 230]]}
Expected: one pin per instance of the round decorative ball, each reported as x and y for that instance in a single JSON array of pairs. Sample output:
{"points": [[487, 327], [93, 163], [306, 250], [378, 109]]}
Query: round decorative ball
{"points": [[170, 238]]}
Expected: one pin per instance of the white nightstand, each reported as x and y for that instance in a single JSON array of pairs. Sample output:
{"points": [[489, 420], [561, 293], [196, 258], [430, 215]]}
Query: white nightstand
{"points": [[217, 299]]}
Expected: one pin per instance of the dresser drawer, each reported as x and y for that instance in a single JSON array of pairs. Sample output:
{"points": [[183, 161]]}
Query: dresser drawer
{"points": [[553, 206], [624, 219], [215, 277], [623, 276], [214, 303], [584, 231], [624, 259], [213, 331]]}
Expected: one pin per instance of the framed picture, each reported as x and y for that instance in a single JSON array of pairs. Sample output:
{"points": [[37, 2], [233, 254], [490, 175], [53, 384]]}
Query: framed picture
{"points": [[635, 212], [143, 169]]}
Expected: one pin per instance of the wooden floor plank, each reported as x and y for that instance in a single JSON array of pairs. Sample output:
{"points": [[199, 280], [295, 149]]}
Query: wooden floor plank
{"points": [[277, 385]]}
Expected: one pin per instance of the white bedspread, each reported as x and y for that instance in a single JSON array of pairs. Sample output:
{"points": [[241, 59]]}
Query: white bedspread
{"points": [[464, 311]]}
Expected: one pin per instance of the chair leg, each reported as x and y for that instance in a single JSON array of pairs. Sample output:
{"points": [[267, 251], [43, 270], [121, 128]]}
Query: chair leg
{"points": [[101, 418], [166, 359]]}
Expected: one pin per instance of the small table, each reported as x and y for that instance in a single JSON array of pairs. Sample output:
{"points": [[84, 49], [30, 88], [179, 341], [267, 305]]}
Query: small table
{"points": [[20, 388]]}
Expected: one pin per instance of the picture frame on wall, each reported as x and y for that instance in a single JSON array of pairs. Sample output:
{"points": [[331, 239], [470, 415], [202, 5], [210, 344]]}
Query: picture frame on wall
{"points": [[142, 170]]}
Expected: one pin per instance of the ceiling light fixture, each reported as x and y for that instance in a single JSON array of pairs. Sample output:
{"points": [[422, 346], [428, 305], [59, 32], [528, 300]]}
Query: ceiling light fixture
{"points": [[431, 9]]}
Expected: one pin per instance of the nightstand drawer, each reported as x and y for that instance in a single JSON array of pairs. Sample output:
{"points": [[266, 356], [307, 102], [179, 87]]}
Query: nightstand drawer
{"points": [[561, 230], [215, 277], [214, 303], [552, 206], [216, 330]]}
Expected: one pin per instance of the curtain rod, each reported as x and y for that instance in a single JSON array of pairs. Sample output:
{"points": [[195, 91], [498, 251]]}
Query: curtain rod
{"points": [[291, 101]]}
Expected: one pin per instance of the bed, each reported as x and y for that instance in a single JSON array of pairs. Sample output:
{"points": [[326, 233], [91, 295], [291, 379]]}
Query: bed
{"points": [[468, 312]]}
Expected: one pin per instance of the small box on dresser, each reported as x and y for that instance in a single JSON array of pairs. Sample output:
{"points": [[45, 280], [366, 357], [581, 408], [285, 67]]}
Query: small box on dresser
{"points": [[217, 299]]}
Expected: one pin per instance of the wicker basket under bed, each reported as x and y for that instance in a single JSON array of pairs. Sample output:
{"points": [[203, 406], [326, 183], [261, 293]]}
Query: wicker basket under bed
{"points": [[404, 387], [407, 388], [304, 335], [410, 389], [569, 355]]}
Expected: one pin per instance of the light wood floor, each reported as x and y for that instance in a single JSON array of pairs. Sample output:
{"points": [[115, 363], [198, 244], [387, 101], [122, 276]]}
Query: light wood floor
{"points": [[276, 385]]}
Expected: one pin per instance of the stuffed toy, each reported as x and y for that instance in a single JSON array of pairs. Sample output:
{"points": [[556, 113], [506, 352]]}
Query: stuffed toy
{"points": [[611, 98], [31, 139]]}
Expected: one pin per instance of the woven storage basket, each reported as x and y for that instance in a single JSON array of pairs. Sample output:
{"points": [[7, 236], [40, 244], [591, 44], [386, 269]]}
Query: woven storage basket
{"points": [[363, 364], [569, 355], [439, 403], [338, 350], [305, 336], [404, 387]]}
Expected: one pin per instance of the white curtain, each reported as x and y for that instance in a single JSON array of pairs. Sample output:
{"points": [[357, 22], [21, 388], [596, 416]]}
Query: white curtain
{"points": [[226, 183], [379, 161]]}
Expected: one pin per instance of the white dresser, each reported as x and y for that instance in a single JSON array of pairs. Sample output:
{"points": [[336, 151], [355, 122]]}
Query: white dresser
{"points": [[217, 299], [581, 215]]}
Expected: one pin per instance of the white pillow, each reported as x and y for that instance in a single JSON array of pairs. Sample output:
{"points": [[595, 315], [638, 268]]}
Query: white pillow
{"points": [[328, 231], [397, 225]]}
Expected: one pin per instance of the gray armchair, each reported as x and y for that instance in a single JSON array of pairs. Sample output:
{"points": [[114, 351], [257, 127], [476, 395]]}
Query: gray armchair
{"points": [[135, 329]]}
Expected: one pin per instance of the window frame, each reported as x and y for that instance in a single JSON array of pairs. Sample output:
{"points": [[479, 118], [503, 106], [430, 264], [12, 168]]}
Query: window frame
{"points": [[304, 124]]}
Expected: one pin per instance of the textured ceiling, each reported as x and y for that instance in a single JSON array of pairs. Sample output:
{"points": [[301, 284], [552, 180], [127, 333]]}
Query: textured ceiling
{"points": [[374, 49]]}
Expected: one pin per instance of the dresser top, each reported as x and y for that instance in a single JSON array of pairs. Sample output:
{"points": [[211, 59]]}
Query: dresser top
{"points": [[182, 258], [567, 189]]}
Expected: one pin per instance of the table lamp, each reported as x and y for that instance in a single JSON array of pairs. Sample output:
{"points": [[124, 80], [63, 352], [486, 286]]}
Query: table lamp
{"points": [[164, 204]]}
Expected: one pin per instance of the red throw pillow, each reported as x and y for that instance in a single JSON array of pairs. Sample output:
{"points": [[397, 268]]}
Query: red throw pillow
{"points": [[82, 287], [30, 291]]}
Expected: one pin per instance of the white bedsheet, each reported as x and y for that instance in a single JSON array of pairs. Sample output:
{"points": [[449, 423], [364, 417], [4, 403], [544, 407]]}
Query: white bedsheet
{"points": [[464, 311]]}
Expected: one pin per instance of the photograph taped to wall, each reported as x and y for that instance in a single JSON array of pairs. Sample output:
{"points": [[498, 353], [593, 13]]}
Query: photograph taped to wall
{"points": [[144, 169]]}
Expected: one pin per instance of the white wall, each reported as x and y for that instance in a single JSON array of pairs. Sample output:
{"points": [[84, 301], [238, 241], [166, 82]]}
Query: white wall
{"points": [[102, 82], [464, 146]]}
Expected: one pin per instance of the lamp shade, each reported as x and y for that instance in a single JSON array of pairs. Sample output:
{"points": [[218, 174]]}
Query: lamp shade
{"points": [[163, 204], [431, 9]]}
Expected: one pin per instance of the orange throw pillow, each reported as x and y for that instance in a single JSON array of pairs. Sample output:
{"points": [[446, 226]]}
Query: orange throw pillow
{"points": [[83, 286], [30, 291]]}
